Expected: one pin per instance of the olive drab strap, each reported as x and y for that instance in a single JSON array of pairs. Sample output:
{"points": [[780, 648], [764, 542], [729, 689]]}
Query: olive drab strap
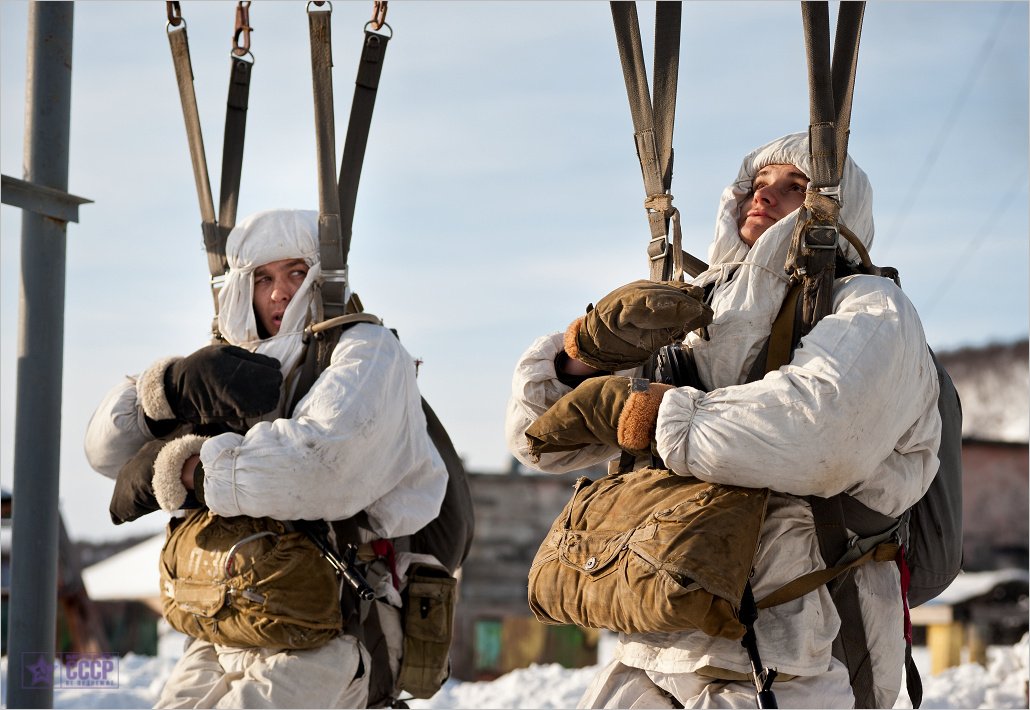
{"points": [[235, 124], [812, 260], [370, 68], [337, 198], [331, 256], [215, 229], [831, 88], [653, 127]]}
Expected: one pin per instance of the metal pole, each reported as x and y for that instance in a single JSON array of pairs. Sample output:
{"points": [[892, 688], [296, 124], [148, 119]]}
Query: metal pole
{"points": [[37, 431]]}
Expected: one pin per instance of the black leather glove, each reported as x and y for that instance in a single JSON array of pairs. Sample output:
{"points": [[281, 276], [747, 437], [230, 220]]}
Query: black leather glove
{"points": [[133, 495], [218, 384]]}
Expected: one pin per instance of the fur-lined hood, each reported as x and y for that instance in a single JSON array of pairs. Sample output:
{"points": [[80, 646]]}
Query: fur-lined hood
{"points": [[261, 238], [751, 282]]}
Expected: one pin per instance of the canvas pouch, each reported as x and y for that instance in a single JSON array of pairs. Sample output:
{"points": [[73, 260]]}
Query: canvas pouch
{"points": [[429, 601], [248, 582], [649, 551]]}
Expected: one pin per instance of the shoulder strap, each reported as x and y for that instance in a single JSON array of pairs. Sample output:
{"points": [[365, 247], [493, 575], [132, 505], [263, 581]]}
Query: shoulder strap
{"points": [[322, 340], [834, 517], [337, 197]]}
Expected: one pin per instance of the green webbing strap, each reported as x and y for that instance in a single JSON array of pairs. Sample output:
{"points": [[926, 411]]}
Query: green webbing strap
{"points": [[179, 43], [329, 232], [370, 68], [831, 88], [232, 144], [831, 85], [653, 125], [781, 343], [812, 256], [806, 583], [215, 229]]}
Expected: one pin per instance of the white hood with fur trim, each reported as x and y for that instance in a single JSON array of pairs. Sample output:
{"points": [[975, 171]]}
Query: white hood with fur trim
{"points": [[261, 238]]}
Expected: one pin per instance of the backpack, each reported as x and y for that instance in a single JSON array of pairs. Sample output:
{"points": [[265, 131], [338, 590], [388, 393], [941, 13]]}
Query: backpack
{"points": [[430, 596], [930, 532]]}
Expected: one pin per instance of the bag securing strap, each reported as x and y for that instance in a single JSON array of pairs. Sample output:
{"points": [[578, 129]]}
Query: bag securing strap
{"points": [[653, 127]]}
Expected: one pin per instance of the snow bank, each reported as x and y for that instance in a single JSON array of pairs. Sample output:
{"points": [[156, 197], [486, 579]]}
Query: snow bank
{"points": [[1002, 684]]}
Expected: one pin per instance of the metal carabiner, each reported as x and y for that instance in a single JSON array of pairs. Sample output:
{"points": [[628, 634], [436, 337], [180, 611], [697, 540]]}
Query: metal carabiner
{"points": [[230, 556], [378, 14], [174, 13], [243, 29]]}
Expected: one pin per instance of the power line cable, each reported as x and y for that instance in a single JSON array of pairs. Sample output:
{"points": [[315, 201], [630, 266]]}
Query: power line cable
{"points": [[978, 238], [937, 146]]}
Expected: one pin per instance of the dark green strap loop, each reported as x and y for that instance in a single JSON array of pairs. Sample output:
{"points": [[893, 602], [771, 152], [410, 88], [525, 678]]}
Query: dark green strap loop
{"points": [[370, 68], [653, 123]]}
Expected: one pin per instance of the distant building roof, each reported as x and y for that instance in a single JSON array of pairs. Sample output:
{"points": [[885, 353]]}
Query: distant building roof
{"points": [[129, 575]]}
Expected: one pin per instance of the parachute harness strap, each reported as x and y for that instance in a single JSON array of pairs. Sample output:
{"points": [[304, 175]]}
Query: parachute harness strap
{"points": [[215, 229]]}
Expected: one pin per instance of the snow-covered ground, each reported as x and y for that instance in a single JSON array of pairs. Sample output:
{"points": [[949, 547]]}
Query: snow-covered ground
{"points": [[1002, 684]]}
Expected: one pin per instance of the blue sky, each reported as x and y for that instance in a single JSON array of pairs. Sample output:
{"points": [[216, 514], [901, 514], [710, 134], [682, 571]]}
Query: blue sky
{"points": [[501, 191]]}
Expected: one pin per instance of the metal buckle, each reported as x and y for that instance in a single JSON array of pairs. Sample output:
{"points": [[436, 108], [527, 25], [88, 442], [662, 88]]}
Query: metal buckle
{"points": [[218, 282], [639, 384], [832, 191], [334, 275], [665, 248], [829, 242]]}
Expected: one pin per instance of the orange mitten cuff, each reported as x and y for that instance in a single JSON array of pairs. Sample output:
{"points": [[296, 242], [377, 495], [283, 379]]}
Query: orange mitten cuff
{"points": [[639, 416]]}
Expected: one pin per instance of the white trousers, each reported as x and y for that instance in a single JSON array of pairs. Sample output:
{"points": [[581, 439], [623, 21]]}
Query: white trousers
{"points": [[213, 676], [621, 686]]}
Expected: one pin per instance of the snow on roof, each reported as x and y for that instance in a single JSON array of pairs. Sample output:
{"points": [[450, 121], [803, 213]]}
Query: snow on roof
{"points": [[130, 574], [969, 585]]}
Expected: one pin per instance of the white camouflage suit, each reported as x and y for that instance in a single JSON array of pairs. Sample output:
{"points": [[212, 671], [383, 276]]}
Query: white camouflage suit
{"points": [[855, 411], [356, 442]]}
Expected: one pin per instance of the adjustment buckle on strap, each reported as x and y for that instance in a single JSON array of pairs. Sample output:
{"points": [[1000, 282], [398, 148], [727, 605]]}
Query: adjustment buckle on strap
{"points": [[831, 191], [335, 275], [821, 236], [218, 282], [658, 248]]}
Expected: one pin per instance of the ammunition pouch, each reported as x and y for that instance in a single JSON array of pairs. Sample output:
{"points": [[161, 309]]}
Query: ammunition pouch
{"points": [[429, 601]]}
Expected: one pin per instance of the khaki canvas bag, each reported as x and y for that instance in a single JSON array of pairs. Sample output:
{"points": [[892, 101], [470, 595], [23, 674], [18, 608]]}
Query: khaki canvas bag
{"points": [[248, 582], [649, 551]]}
